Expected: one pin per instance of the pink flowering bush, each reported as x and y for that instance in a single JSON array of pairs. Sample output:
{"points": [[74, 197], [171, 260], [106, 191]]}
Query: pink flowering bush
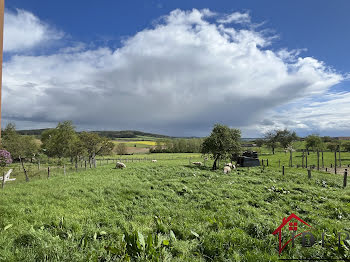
{"points": [[5, 158]]}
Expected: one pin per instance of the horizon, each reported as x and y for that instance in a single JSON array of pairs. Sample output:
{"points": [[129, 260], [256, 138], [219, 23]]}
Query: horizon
{"points": [[81, 130], [178, 68]]}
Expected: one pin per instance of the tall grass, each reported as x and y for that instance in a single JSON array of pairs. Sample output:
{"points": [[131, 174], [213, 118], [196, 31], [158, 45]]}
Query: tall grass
{"points": [[168, 211]]}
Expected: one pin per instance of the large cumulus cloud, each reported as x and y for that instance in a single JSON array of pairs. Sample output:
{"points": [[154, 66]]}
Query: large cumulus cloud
{"points": [[192, 69]]}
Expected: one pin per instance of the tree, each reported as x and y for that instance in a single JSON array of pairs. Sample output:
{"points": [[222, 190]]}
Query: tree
{"points": [[346, 146], [58, 142], [259, 142], [332, 146], [280, 137], [222, 143], [95, 145], [271, 140], [121, 149], [77, 150], [286, 137], [19, 146], [314, 142], [326, 139], [159, 146]]}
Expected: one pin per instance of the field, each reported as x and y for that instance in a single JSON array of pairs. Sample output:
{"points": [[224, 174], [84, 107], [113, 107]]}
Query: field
{"points": [[169, 211], [139, 145]]}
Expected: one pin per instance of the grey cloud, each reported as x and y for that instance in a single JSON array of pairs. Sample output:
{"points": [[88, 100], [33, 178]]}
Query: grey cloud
{"points": [[178, 78]]}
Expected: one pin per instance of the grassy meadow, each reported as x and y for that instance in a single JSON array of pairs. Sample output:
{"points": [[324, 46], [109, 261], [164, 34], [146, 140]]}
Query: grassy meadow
{"points": [[169, 211]]}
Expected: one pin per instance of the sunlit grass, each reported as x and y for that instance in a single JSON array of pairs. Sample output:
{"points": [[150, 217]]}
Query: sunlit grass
{"points": [[214, 217]]}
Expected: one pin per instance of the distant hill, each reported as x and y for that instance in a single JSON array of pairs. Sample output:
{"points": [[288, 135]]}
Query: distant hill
{"points": [[32, 132], [127, 134], [109, 134]]}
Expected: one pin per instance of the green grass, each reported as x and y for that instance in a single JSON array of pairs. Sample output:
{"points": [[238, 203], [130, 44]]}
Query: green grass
{"points": [[196, 214], [283, 158]]}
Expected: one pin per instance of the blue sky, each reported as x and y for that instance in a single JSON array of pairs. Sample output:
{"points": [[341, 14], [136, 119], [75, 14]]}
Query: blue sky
{"points": [[118, 46]]}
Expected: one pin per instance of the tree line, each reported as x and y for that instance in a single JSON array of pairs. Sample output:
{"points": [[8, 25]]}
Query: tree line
{"points": [[284, 138], [60, 142], [178, 145]]}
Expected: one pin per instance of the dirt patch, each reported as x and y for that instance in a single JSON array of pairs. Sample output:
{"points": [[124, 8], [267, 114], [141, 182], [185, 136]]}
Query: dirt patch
{"points": [[137, 150], [340, 170]]}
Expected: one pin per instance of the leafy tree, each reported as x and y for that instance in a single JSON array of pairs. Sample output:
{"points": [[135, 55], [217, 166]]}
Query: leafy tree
{"points": [[271, 140], [332, 146], [280, 137], [222, 143], [95, 145], [286, 137], [326, 139], [121, 149], [314, 142], [259, 142], [77, 149], [169, 145], [159, 146], [346, 146], [58, 142], [19, 146]]}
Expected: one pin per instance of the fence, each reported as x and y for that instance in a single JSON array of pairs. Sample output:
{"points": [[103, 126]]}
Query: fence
{"points": [[33, 170]]}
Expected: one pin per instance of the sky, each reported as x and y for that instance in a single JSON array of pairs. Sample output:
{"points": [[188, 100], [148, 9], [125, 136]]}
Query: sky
{"points": [[178, 67]]}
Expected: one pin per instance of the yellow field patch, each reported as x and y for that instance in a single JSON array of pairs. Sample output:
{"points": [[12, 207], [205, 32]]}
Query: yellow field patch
{"points": [[148, 143]]}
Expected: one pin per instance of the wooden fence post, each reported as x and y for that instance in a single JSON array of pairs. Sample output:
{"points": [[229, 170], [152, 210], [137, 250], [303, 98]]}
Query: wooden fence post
{"points": [[305, 160], [267, 162], [345, 178], [3, 180], [335, 161], [48, 172], [302, 161], [26, 175], [318, 160], [309, 173], [283, 170]]}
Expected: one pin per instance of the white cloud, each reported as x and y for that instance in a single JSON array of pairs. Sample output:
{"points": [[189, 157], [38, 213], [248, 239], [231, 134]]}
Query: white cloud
{"points": [[179, 78], [236, 17], [327, 114], [23, 31]]}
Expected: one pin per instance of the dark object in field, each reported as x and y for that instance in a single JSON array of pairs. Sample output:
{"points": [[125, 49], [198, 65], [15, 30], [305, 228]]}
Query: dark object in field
{"points": [[251, 154], [248, 159]]}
